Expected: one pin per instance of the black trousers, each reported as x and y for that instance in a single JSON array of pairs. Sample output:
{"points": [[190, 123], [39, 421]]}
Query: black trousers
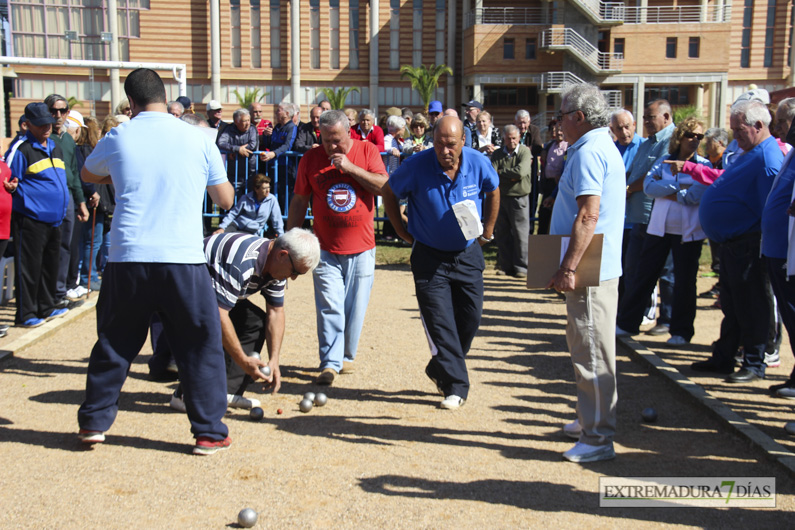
{"points": [[36, 260], [449, 287]]}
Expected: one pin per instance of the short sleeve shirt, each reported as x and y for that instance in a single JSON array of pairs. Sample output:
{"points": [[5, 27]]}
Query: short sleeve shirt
{"points": [[236, 261], [343, 209], [594, 167], [160, 167], [431, 195]]}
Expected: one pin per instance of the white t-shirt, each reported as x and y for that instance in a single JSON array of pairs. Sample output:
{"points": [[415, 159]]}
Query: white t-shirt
{"points": [[160, 167]]}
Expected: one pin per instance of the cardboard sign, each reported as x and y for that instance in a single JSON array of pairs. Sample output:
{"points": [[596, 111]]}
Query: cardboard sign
{"points": [[545, 253]]}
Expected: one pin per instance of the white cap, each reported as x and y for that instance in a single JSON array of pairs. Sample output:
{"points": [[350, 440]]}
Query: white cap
{"points": [[755, 94], [74, 119], [214, 104]]}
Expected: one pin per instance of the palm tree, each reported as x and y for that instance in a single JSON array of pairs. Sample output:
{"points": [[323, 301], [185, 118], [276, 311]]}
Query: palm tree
{"points": [[425, 80], [249, 96], [337, 98], [73, 102]]}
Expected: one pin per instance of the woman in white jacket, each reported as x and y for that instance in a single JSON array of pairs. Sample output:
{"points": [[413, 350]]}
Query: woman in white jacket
{"points": [[673, 227]]}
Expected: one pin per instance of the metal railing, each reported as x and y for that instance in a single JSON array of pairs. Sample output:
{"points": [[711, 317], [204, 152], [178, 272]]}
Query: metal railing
{"points": [[615, 98], [677, 14], [601, 12], [587, 53], [554, 81], [522, 16]]}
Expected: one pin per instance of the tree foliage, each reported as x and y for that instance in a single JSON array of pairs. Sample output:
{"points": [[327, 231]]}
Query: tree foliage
{"points": [[249, 96], [337, 98], [424, 79]]}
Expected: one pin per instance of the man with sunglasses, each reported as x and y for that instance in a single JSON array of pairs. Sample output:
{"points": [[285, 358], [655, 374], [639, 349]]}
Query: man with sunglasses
{"points": [[59, 109]]}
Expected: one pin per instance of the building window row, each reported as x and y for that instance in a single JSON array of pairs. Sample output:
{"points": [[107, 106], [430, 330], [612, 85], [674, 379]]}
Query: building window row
{"points": [[39, 28], [671, 43], [530, 48]]}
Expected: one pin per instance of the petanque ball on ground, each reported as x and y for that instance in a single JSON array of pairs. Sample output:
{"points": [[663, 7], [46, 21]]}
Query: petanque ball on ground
{"points": [[257, 413], [649, 415], [247, 517], [310, 396], [305, 405], [320, 399]]}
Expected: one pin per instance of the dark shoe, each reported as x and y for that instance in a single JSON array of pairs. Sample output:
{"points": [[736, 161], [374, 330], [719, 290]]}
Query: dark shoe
{"points": [[74, 303], [743, 376], [711, 366], [786, 384], [435, 381], [659, 329], [62, 303], [499, 272], [520, 275]]}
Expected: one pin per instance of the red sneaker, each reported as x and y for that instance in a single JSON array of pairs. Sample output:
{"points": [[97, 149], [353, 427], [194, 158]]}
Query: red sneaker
{"points": [[91, 437], [207, 446]]}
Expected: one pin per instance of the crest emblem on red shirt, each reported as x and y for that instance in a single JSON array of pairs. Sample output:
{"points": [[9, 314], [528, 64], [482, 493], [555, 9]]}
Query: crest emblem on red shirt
{"points": [[341, 197]]}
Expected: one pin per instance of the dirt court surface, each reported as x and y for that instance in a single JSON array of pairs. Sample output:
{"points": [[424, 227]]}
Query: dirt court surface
{"points": [[380, 454]]}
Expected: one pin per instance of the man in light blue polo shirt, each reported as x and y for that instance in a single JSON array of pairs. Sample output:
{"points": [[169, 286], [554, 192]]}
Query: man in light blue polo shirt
{"points": [[160, 168], [591, 199], [444, 188]]}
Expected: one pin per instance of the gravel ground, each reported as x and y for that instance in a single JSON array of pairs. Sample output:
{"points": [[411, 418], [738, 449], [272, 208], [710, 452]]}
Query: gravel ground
{"points": [[381, 453]]}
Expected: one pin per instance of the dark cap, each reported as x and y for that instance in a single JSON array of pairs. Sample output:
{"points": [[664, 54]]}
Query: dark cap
{"points": [[38, 114], [473, 103], [184, 101], [22, 119]]}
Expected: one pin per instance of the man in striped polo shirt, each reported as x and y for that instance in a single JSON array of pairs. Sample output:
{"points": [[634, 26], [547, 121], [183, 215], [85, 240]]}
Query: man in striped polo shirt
{"points": [[240, 266]]}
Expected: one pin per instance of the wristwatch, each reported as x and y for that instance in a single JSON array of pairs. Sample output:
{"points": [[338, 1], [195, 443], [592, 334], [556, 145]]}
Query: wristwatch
{"points": [[486, 239]]}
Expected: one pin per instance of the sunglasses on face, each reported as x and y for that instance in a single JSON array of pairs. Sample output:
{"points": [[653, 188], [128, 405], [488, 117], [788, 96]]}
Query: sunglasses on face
{"points": [[64, 110], [697, 136]]}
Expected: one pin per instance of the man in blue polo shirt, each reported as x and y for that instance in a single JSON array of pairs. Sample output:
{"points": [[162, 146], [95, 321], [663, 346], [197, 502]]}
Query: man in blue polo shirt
{"points": [[446, 188], [731, 214], [160, 168], [591, 199]]}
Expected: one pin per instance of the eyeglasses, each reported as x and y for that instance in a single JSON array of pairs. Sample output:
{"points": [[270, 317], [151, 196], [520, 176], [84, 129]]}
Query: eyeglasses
{"points": [[560, 115], [292, 264], [649, 118], [698, 136], [63, 110]]}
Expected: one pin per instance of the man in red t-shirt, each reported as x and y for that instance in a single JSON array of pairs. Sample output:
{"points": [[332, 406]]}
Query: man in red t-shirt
{"points": [[342, 177], [257, 120]]}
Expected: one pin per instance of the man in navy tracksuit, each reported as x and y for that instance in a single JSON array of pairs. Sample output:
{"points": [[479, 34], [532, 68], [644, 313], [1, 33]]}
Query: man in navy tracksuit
{"points": [[39, 207]]}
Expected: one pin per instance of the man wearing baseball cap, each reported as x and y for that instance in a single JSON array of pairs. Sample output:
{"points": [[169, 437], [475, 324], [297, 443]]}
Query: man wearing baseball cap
{"points": [[473, 108], [214, 114], [41, 198]]}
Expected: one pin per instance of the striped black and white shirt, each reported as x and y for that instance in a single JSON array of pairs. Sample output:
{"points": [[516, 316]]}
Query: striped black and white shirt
{"points": [[235, 261]]}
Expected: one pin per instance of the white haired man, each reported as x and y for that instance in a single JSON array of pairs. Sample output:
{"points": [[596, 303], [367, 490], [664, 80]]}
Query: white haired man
{"points": [[591, 200]]}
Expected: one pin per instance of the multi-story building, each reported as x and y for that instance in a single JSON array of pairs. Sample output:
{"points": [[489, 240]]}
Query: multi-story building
{"points": [[509, 54]]}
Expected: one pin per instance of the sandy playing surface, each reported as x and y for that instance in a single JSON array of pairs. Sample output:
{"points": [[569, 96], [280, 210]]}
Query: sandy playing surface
{"points": [[380, 454]]}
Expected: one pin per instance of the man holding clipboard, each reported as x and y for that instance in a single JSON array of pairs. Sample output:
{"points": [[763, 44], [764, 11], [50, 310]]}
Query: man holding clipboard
{"points": [[591, 200]]}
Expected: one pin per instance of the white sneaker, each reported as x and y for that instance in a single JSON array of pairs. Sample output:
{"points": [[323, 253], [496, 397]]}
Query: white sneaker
{"points": [[240, 402], [582, 452], [646, 321], [676, 340], [177, 403], [573, 429], [71, 294], [452, 402]]}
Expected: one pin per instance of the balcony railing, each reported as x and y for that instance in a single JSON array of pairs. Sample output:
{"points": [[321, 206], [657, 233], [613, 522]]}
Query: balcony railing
{"points": [[522, 16], [601, 12], [568, 39], [554, 82], [677, 14]]}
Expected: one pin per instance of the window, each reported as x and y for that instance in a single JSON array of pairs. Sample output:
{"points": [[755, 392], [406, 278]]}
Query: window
{"points": [[276, 35], [40, 34], [676, 95], [256, 35], [530, 48], [791, 35], [314, 34], [394, 34], [670, 47], [745, 43], [507, 48], [234, 31], [440, 33], [694, 47], [770, 32], [503, 96], [334, 34], [618, 46], [353, 48], [416, 55]]}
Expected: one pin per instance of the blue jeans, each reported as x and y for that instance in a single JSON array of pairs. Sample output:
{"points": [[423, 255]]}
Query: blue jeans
{"points": [[342, 292], [85, 248]]}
